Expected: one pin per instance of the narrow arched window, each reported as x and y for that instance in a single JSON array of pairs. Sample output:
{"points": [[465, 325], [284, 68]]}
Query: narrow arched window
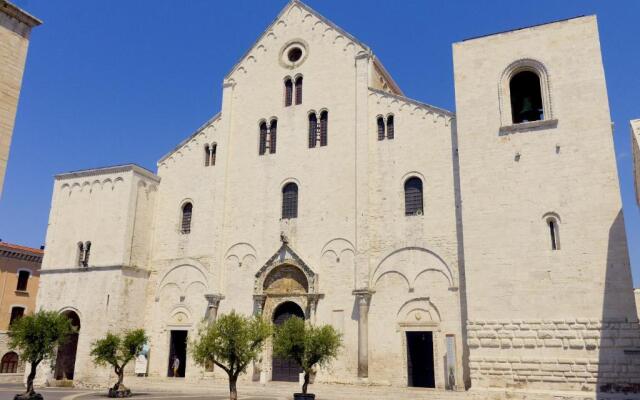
{"points": [[187, 211], [214, 149], [263, 138], [273, 128], [413, 196], [80, 255], [87, 253], [390, 128], [288, 92], [380, 128], [313, 130], [299, 90], [9, 363], [552, 224], [207, 155], [526, 97], [290, 201], [324, 127]]}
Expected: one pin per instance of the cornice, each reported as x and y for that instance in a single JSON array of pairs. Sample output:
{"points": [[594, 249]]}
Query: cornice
{"points": [[109, 170], [14, 11], [429, 107]]}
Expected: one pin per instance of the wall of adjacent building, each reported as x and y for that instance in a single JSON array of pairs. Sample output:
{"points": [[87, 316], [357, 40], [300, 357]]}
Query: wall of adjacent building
{"points": [[635, 148]]}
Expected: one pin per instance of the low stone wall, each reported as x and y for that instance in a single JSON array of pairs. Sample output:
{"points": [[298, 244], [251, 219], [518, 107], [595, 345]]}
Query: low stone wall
{"points": [[579, 354]]}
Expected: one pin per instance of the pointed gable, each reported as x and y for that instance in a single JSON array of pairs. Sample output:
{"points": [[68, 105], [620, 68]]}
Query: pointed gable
{"points": [[295, 13]]}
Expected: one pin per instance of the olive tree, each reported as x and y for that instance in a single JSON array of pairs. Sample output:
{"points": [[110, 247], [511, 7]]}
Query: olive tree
{"points": [[117, 351], [231, 343], [36, 338], [306, 344]]}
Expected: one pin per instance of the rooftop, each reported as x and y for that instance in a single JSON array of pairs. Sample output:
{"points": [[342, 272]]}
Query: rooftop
{"points": [[19, 248], [15, 12], [109, 170]]}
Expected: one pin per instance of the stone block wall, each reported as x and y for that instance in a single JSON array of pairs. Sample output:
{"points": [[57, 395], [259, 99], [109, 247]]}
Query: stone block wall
{"points": [[580, 353]]}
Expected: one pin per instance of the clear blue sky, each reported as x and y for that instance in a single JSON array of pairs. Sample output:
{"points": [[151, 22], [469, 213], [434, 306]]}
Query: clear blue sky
{"points": [[112, 82]]}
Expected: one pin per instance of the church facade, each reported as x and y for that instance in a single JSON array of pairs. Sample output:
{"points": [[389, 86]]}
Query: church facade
{"points": [[484, 248]]}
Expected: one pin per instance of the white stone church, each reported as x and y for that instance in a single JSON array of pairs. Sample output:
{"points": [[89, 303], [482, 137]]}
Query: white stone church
{"points": [[482, 248]]}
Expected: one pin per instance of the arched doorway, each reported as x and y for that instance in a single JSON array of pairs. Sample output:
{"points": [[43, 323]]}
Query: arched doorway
{"points": [[284, 369], [66, 357], [9, 363]]}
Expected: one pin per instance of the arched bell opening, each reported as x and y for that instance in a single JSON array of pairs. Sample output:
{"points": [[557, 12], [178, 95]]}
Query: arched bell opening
{"points": [[66, 356], [284, 369]]}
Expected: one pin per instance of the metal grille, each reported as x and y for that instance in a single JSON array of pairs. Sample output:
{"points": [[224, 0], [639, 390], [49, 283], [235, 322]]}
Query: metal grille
{"points": [[272, 136], [263, 138], [324, 121], [290, 201], [380, 128], [390, 129], [299, 90], [288, 92], [187, 211], [313, 130], [413, 196]]}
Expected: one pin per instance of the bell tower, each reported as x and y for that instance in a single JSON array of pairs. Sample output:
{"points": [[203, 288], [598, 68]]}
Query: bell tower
{"points": [[546, 260]]}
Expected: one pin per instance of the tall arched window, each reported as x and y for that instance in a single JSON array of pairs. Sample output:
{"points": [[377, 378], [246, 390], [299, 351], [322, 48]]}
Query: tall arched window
{"points": [[413, 196], [526, 97], [187, 211], [207, 155], [214, 149], [324, 127], [80, 255], [9, 363], [313, 130], [263, 138], [554, 233], [290, 201], [299, 90], [380, 128], [288, 92], [272, 136], [87, 253], [390, 128]]}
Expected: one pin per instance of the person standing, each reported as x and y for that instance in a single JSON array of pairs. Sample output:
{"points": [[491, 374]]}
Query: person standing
{"points": [[175, 366]]}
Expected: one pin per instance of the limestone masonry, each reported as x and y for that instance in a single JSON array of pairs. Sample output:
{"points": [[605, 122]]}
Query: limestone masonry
{"points": [[15, 28], [479, 249]]}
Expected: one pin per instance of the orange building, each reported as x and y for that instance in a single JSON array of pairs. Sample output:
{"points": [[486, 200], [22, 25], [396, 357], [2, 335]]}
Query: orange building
{"points": [[19, 276]]}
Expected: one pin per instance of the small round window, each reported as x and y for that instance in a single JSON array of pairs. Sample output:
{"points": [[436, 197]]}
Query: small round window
{"points": [[294, 54]]}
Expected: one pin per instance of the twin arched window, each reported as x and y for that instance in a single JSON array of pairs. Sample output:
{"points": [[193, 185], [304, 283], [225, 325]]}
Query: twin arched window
{"points": [[413, 196], [210, 154], [318, 132], [385, 129], [185, 222], [267, 137], [290, 201], [288, 91], [84, 251]]}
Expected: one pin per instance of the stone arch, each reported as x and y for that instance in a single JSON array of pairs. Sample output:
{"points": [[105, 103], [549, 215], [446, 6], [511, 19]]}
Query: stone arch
{"points": [[285, 279], [504, 93], [196, 273], [418, 311], [411, 262], [66, 355], [9, 363]]}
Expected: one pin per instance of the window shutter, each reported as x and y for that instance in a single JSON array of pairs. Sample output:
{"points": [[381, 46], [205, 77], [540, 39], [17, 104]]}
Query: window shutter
{"points": [[187, 211], [390, 128], [380, 128], [313, 130], [272, 136], [288, 92], [299, 90], [324, 121], [263, 138], [290, 201], [413, 196]]}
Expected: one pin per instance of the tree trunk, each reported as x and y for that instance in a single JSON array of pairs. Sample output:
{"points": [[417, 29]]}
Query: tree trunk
{"points": [[233, 392], [120, 378], [31, 377], [306, 382]]}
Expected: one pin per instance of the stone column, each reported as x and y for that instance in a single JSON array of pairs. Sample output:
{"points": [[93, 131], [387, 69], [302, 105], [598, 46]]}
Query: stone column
{"points": [[363, 297], [213, 301], [258, 304]]}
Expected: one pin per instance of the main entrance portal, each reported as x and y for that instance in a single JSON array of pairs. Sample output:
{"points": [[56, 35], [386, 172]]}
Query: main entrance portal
{"points": [[66, 356], [177, 350], [420, 359], [284, 369]]}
